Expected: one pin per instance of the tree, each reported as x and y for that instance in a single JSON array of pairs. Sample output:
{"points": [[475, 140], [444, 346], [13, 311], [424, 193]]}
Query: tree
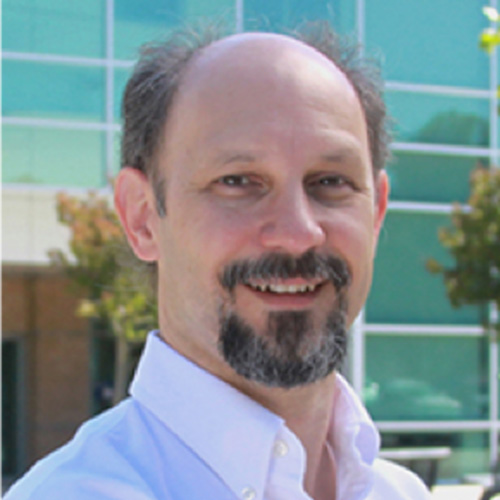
{"points": [[474, 238], [474, 243], [101, 265], [490, 37]]}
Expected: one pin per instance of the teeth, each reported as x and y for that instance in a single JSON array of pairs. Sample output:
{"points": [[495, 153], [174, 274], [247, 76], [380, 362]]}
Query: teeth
{"points": [[280, 288]]}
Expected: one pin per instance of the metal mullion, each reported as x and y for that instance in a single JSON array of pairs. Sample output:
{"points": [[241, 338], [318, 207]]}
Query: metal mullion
{"points": [[360, 22], [53, 58], [444, 149], [494, 417], [421, 330], [420, 207], [358, 333], [493, 313], [109, 112], [443, 90], [57, 59], [51, 190], [54, 123], [239, 8], [434, 426], [493, 143], [357, 371]]}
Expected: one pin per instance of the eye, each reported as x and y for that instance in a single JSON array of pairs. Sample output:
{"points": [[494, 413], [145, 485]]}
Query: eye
{"points": [[332, 181], [235, 180], [238, 186], [330, 187]]}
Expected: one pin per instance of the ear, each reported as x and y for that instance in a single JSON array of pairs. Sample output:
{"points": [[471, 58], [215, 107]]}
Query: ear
{"points": [[382, 189], [134, 202]]}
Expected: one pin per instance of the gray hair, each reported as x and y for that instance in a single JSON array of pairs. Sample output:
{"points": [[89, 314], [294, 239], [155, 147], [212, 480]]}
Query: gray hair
{"points": [[159, 71]]}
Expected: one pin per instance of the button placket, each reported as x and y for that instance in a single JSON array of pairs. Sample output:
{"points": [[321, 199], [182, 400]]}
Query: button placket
{"points": [[280, 448], [248, 493]]}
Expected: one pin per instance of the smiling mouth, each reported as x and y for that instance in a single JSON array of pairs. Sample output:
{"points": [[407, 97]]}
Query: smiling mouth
{"points": [[282, 289]]}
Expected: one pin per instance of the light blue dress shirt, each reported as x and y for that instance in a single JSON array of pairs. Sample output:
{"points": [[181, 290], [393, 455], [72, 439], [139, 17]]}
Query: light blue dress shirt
{"points": [[186, 435]]}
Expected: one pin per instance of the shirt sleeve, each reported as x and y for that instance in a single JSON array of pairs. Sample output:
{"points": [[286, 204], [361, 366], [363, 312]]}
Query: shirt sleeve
{"points": [[78, 485]]}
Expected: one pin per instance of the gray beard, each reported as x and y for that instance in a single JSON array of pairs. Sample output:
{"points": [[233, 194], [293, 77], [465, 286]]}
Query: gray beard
{"points": [[289, 353]]}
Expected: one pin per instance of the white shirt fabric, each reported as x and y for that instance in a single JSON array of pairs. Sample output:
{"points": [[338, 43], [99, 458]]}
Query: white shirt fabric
{"points": [[186, 435]]}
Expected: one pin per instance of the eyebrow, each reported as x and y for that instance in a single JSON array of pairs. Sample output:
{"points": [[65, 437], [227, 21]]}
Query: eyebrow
{"points": [[342, 154], [229, 157], [226, 158]]}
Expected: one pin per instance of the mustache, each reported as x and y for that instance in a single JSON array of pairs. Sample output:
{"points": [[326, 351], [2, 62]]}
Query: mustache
{"points": [[310, 265]]}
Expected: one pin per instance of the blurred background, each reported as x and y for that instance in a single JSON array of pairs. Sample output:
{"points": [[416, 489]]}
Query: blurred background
{"points": [[428, 372]]}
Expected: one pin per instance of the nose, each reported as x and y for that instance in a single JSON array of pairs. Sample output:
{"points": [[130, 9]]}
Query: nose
{"points": [[291, 225]]}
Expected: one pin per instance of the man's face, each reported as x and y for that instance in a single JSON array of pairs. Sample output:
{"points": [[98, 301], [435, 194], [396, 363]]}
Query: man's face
{"points": [[271, 211]]}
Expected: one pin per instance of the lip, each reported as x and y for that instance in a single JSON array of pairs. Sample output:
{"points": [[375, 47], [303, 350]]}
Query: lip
{"points": [[297, 282], [288, 301]]}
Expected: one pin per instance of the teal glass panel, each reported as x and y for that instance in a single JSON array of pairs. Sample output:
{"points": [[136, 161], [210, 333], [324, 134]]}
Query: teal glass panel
{"points": [[43, 156], [121, 77], [431, 178], [469, 452], [69, 27], [139, 22], [52, 91], [430, 42], [426, 377], [403, 291], [439, 119], [115, 168], [283, 15]]}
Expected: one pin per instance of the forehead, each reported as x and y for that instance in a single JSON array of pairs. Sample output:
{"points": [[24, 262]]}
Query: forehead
{"points": [[248, 84]]}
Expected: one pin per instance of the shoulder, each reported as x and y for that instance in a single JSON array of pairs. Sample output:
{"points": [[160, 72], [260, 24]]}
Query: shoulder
{"points": [[93, 465], [396, 482]]}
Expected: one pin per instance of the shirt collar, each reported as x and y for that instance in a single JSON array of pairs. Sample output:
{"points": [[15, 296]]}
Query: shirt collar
{"points": [[215, 419], [210, 417], [356, 443]]}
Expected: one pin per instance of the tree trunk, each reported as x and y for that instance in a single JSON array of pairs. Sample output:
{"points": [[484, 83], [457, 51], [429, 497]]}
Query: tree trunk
{"points": [[121, 369]]}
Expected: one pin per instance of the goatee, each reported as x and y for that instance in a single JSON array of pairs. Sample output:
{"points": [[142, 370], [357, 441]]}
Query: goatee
{"points": [[292, 351]]}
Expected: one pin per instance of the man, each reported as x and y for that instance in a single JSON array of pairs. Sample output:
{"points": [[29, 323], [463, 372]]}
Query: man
{"points": [[253, 180]]}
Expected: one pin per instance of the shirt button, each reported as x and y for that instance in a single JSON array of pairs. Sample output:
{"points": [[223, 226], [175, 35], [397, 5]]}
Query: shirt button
{"points": [[248, 494], [280, 448]]}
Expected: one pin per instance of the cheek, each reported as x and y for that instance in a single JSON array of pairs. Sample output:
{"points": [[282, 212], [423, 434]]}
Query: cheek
{"points": [[221, 230], [354, 239], [207, 239]]}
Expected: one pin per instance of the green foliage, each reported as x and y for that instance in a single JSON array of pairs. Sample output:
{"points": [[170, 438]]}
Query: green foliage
{"points": [[474, 243], [101, 264], [451, 127], [490, 37]]}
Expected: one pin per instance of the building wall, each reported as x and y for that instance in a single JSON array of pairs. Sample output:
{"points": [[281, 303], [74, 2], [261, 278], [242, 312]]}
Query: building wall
{"points": [[54, 393], [428, 373]]}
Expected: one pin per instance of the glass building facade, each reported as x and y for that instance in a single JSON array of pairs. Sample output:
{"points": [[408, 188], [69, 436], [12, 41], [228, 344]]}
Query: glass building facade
{"points": [[428, 373]]}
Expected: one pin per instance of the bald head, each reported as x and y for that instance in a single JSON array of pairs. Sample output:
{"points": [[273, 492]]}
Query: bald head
{"points": [[240, 50], [260, 60], [204, 66]]}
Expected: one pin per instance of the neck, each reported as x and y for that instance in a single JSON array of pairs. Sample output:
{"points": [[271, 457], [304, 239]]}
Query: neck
{"points": [[307, 412]]}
